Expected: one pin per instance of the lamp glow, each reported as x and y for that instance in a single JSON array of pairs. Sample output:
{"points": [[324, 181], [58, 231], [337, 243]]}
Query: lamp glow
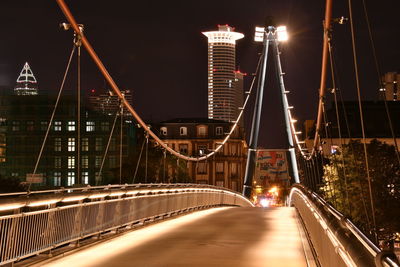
{"points": [[282, 33]]}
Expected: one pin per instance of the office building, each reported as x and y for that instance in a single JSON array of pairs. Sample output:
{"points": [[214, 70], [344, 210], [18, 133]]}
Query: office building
{"points": [[225, 84]]}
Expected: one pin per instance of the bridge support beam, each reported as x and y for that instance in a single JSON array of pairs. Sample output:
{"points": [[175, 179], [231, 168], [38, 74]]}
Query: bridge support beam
{"points": [[251, 155]]}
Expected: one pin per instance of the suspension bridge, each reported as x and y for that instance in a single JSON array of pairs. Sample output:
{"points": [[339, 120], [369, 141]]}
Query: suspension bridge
{"points": [[193, 224]]}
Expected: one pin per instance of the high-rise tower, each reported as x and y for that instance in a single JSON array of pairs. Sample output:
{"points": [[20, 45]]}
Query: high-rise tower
{"points": [[26, 82], [224, 91]]}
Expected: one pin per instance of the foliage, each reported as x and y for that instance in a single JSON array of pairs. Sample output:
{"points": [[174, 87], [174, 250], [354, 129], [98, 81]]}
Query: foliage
{"points": [[346, 186]]}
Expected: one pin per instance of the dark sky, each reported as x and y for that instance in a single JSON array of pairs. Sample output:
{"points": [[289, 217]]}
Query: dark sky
{"points": [[156, 49]]}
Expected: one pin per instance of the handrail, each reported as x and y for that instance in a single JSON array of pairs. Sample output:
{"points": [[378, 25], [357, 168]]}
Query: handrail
{"points": [[351, 245], [13, 201], [89, 213]]}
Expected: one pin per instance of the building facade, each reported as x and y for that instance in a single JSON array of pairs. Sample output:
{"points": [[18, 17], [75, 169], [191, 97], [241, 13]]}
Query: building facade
{"points": [[225, 84], [197, 137], [391, 86]]}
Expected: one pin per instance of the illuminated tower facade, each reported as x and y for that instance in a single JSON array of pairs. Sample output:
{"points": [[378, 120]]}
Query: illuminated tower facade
{"points": [[225, 93], [26, 82]]}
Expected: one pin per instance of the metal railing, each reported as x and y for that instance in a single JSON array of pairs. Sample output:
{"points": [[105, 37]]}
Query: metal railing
{"points": [[335, 239], [68, 215]]}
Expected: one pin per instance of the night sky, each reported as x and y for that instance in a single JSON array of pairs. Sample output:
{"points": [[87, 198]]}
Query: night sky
{"points": [[156, 49]]}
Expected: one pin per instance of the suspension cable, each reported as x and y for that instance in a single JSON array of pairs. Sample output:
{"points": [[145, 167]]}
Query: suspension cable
{"points": [[333, 77], [108, 145], [54, 111], [362, 119], [379, 73], [115, 88], [137, 164]]}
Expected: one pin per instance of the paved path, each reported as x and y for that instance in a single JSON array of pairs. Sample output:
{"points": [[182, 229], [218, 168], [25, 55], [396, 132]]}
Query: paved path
{"points": [[217, 237]]}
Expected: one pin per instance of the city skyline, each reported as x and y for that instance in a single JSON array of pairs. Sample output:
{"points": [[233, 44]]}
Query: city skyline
{"points": [[160, 54]]}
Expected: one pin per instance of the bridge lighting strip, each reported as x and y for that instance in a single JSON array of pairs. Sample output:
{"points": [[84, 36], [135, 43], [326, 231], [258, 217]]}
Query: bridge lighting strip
{"points": [[335, 242], [86, 195]]}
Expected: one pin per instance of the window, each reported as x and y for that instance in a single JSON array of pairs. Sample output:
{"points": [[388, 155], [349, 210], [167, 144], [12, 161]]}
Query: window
{"points": [[112, 144], [202, 149], [105, 126], [85, 177], [70, 178], [219, 183], [90, 126], [15, 126], [183, 130], [183, 149], [219, 167], [99, 144], [30, 126], [71, 144], [71, 162], [85, 161], [219, 131], [57, 179], [234, 185], [233, 149], [202, 167], [57, 144], [97, 162], [233, 170], [85, 144], [43, 125], [57, 162], [57, 126], [71, 126], [201, 130], [112, 161], [163, 130]]}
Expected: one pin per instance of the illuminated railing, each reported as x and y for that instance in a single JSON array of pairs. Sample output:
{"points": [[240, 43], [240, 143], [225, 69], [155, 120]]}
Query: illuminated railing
{"points": [[48, 219], [335, 239]]}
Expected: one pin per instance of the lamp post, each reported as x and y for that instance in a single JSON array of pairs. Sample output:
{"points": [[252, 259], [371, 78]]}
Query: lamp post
{"points": [[268, 35]]}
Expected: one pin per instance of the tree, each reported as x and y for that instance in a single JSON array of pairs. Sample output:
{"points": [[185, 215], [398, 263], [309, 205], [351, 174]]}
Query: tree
{"points": [[10, 184], [346, 186]]}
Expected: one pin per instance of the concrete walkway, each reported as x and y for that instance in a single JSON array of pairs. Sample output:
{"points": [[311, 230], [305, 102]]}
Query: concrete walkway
{"points": [[216, 237]]}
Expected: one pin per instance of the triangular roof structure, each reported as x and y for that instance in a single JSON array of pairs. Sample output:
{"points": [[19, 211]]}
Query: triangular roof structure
{"points": [[26, 82]]}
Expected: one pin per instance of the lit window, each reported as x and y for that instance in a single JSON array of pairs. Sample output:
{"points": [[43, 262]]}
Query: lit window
{"points": [[57, 179], [57, 144], [97, 162], [71, 162], [233, 149], [85, 177], [57, 126], [183, 131], [99, 144], [202, 130], [219, 131], [90, 126], [163, 131], [85, 144], [15, 126], [85, 161], [71, 178], [71, 126], [71, 144], [105, 126], [57, 162]]}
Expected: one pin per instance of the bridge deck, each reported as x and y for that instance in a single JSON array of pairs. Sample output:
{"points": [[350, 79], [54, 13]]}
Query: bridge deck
{"points": [[217, 237]]}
